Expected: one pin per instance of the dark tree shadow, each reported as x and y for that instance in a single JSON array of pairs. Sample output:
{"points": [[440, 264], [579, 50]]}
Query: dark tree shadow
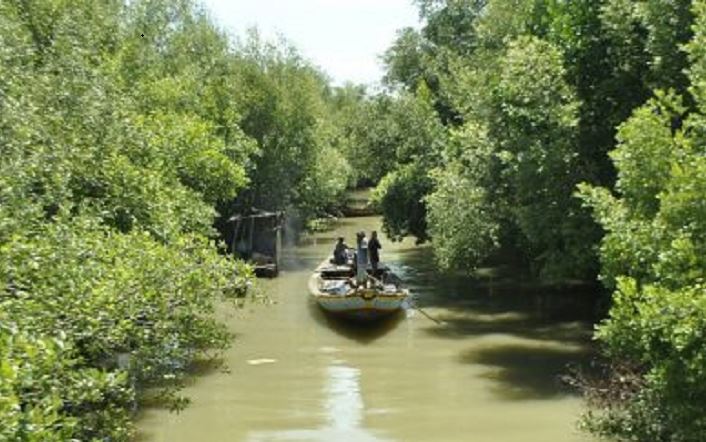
{"points": [[504, 297], [528, 372], [151, 398], [518, 326], [204, 367]]}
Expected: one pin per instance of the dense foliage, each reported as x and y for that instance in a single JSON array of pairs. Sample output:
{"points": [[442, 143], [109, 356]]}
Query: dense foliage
{"points": [[544, 84], [126, 130], [511, 120], [654, 256]]}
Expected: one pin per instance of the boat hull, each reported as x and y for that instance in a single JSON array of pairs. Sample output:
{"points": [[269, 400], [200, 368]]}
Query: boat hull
{"points": [[357, 308]]}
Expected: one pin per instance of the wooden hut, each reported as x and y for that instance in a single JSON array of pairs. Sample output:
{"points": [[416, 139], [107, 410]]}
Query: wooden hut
{"points": [[257, 238]]}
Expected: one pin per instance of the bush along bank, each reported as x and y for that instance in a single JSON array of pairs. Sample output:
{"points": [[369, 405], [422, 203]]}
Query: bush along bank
{"points": [[90, 316], [109, 175]]}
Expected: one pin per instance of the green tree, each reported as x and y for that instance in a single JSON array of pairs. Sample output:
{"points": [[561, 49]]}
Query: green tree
{"points": [[465, 230], [285, 110], [653, 257], [552, 122], [418, 139]]}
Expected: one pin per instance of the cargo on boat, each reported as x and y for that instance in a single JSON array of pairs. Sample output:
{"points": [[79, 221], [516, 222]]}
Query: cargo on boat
{"points": [[335, 290]]}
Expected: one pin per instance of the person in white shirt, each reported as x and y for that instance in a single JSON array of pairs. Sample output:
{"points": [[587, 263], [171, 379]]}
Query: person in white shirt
{"points": [[361, 260]]}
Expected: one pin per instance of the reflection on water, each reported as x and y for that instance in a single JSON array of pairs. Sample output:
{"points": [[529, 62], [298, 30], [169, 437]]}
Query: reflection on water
{"points": [[488, 371], [344, 403], [344, 413]]}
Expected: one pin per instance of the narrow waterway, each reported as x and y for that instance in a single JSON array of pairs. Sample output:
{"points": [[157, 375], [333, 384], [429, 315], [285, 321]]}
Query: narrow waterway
{"points": [[488, 373]]}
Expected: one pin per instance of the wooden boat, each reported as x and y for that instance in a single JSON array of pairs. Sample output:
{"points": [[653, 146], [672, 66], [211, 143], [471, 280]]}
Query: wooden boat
{"points": [[333, 288]]}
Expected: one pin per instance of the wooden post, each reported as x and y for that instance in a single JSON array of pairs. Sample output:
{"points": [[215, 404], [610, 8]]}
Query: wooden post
{"points": [[252, 231], [278, 246], [234, 246]]}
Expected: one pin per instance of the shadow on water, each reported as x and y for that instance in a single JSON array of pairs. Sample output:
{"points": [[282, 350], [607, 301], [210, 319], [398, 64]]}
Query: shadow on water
{"points": [[518, 324], [521, 334], [530, 332], [499, 291], [361, 332], [152, 399], [527, 372]]}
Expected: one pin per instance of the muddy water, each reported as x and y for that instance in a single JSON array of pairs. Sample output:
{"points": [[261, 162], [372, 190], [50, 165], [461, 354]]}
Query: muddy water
{"points": [[489, 372]]}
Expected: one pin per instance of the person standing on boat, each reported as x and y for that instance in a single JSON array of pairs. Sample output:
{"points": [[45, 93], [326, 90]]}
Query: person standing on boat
{"points": [[361, 260], [374, 247]]}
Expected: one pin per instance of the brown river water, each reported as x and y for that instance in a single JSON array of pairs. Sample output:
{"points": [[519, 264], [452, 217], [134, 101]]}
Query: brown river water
{"points": [[489, 372]]}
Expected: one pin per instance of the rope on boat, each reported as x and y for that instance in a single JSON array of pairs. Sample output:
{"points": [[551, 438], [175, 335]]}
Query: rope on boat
{"points": [[413, 305], [437, 321]]}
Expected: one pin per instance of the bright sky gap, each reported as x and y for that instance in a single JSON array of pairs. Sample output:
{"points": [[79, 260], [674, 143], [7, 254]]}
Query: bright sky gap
{"points": [[345, 38]]}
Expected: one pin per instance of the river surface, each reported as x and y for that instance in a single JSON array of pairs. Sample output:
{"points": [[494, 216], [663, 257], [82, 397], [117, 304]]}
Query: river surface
{"points": [[489, 372]]}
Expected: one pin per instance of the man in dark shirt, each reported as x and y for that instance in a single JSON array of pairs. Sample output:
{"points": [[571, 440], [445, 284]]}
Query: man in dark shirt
{"points": [[340, 253], [374, 249]]}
